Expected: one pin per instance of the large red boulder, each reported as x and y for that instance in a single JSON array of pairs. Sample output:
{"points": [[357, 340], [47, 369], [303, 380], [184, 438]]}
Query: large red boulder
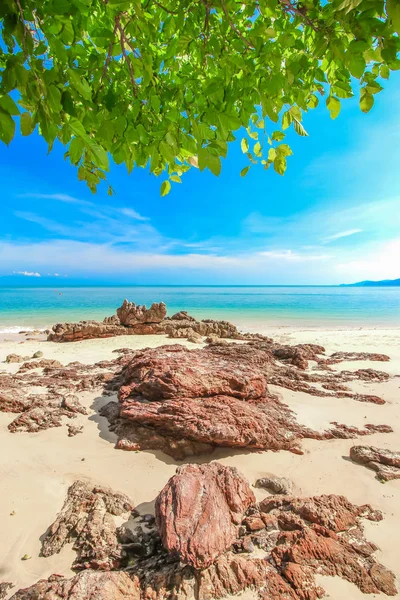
{"points": [[199, 510], [174, 371]]}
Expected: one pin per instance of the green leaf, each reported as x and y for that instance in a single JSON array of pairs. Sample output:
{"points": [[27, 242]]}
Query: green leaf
{"points": [[278, 136], [287, 119], [76, 148], [99, 155], [165, 188], [280, 164], [26, 124], [299, 129], [7, 127], [271, 154], [366, 102], [384, 71], [244, 171], [257, 149], [176, 178], [284, 150], [80, 84], [393, 11], [312, 101], [333, 105], [357, 65], [244, 144], [54, 98], [8, 105]]}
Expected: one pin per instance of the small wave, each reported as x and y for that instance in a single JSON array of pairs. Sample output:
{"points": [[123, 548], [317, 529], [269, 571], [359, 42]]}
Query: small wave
{"points": [[18, 328]]}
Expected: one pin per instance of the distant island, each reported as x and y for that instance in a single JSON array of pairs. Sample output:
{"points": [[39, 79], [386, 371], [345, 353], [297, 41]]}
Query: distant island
{"points": [[384, 282]]}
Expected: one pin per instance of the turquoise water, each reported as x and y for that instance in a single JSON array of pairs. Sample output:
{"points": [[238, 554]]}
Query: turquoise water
{"points": [[248, 307]]}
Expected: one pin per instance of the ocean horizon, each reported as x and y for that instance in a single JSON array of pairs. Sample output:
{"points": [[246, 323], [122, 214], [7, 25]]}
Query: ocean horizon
{"points": [[249, 307]]}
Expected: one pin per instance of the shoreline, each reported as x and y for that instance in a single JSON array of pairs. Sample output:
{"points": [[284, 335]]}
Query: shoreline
{"points": [[37, 468]]}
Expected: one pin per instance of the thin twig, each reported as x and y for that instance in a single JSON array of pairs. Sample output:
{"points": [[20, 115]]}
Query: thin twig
{"points": [[234, 28], [127, 59], [170, 12], [110, 47], [290, 7], [21, 12]]}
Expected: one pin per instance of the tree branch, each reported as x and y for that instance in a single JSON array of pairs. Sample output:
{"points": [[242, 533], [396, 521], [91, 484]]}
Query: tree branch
{"points": [[234, 28], [110, 47], [170, 12], [294, 10], [21, 12], [126, 57]]}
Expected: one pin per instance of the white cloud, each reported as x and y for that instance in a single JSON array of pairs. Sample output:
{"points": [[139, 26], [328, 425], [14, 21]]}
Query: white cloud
{"points": [[289, 255], [342, 234], [27, 273], [133, 214], [59, 197]]}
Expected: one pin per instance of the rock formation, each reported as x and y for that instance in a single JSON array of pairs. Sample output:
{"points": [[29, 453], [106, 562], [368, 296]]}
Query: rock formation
{"points": [[386, 463], [88, 585], [274, 548], [129, 314], [199, 510], [86, 520], [139, 320], [186, 402]]}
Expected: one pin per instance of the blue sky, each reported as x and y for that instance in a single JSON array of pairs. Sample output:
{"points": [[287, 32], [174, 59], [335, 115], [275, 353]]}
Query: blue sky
{"points": [[334, 217]]}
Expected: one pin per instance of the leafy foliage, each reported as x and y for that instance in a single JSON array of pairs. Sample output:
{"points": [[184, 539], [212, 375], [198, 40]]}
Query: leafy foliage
{"points": [[167, 84]]}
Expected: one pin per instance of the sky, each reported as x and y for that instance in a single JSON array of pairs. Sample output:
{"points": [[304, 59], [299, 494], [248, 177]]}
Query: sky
{"points": [[334, 217]]}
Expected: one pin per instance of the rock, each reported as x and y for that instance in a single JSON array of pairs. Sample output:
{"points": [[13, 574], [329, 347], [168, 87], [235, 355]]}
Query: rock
{"points": [[207, 516], [174, 371], [38, 354], [182, 315], [14, 358], [88, 585], [5, 587], [386, 463], [86, 521], [194, 337], [40, 364], [86, 330], [199, 510], [276, 485], [74, 430], [130, 314], [337, 357]]}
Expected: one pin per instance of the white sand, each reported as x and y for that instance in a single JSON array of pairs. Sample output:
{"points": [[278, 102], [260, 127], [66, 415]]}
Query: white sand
{"points": [[36, 469]]}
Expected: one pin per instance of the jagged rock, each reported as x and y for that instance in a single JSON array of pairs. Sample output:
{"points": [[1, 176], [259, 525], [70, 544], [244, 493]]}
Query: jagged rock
{"points": [[113, 320], [276, 485], [5, 587], [199, 510], [299, 538], [37, 354], [15, 358], [130, 314], [44, 411], [86, 330], [337, 357], [298, 355], [86, 520], [40, 364], [88, 585], [182, 315], [174, 371], [386, 463], [185, 401], [74, 430]]}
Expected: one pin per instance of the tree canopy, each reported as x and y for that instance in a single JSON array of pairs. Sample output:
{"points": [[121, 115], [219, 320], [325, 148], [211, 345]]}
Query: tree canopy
{"points": [[168, 84]]}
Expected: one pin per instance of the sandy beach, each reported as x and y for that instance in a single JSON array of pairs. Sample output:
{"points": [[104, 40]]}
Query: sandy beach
{"points": [[36, 469]]}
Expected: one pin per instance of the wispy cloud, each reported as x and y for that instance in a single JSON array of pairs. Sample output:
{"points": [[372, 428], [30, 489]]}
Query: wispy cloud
{"points": [[133, 214], [27, 273], [60, 197], [342, 234]]}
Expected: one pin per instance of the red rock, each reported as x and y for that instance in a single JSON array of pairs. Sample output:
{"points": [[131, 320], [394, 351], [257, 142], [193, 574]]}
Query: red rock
{"points": [[386, 463], [199, 510], [174, 371], [88, 585]]}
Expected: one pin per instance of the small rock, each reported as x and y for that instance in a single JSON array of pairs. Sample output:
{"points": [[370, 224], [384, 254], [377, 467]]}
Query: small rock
{"points": [[276, 485], [38, 354], [14, 358], [26, 557]]}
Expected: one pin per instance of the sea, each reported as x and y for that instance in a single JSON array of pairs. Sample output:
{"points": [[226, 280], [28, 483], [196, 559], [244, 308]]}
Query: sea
{"points": [[250, 308]]}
